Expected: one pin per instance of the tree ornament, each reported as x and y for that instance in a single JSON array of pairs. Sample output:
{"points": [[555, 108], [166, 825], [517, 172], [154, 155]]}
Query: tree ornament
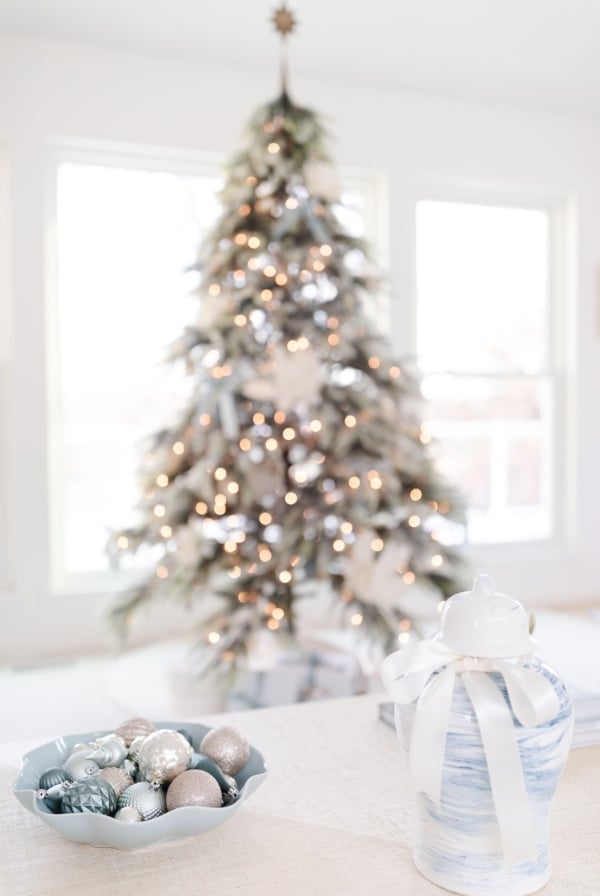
{"points": [[53, 795], [112, 752], [133, 728], [164, 755], [79, 765], [129, 814], [90, 795], [148, 800], [53, 776], [187, 736], [135, 747], [194, 788], [227, 783], [228, 747], [118, 779], [288, 378]]}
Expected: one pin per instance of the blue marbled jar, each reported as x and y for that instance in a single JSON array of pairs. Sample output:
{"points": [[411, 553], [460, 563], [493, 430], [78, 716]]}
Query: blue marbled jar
{"points": [[458, 846]]}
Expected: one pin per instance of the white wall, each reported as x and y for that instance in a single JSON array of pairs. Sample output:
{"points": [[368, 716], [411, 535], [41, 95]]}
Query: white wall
{"points": [[52, 89]]}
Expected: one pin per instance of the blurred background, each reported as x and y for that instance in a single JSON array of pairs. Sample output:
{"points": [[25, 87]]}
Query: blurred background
{"points": [[467, 139]]}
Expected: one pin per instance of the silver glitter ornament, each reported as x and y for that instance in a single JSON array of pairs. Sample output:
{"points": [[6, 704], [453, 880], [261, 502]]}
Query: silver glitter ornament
{"points": [[118, 779], [148, 800], [194, 788], [133, 728], [79, 765], [111, 752], [90, 795], [129, 814], [164, 755], [228, 747]]}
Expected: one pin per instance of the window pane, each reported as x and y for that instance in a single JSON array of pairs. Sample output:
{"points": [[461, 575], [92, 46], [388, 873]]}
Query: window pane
{"points": [[482, 281], [483, 316], [494, 443], [125, 238]]}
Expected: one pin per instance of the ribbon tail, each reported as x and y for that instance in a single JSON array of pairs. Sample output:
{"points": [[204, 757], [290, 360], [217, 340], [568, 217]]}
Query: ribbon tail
{"points": [[532, 697], [511, 800], [428, 740]]}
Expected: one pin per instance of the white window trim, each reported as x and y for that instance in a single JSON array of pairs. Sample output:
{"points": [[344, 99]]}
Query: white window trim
{"points": [[560, 208]]}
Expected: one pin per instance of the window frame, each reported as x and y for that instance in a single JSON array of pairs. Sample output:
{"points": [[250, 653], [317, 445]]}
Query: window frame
{"points": [[560, 321]]}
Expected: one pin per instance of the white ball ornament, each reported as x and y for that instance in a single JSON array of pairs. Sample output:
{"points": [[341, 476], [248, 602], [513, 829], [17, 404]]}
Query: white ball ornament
{"points": [[164, 755], [228, 747]]}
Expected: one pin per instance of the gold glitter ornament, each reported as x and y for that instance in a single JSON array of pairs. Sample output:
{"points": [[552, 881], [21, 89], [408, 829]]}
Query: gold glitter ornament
{"points": [[133, 728], [228, 747], [193, 788], [118, 779]]}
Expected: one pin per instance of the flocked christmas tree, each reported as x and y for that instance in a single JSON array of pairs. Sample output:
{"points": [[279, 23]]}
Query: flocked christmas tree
{"points": [[300, 457]]}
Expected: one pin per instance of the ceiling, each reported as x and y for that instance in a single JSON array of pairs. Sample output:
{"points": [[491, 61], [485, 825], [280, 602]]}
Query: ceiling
{"points": [[541, 53]]}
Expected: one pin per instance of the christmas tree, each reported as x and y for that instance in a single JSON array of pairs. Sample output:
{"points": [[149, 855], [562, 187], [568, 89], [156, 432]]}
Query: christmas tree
{"points": [[300, 458]]}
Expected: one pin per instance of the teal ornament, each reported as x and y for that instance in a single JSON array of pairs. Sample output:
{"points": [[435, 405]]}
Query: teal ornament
{"points": [[53, 778], [227, 783], [94, 795], [148, 800], [187, 736]]}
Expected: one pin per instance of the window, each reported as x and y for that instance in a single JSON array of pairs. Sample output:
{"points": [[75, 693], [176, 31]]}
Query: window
{"points": [[126, 232], [486, 285]]}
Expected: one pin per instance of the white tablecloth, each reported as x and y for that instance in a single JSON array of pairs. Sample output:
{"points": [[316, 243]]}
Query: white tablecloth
{"points": [[332, 819]]}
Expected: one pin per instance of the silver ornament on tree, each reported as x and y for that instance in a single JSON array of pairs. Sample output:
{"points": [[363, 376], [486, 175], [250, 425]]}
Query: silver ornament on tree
{"points": [[94, 795], [133, 728], [228, 747], [164, 755], [148, 800], [194, 788], [79, 765], [118, 779]]}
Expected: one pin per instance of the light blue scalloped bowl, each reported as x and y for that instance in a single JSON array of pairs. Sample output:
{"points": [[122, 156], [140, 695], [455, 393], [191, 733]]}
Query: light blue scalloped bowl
{"points": [[102, 830]]}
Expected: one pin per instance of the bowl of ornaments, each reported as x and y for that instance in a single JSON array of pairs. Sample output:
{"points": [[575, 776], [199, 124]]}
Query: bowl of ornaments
{"points": [[143, 783]]}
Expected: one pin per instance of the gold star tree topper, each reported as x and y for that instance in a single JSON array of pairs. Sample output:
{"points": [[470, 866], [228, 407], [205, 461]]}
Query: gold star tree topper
{"points": [[284, 20]]}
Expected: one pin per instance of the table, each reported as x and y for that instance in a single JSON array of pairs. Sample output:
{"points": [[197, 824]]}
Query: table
{"points": [[332, 819]]}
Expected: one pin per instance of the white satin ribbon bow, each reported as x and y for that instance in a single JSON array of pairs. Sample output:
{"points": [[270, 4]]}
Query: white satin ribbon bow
{"points": [[407, 675]]}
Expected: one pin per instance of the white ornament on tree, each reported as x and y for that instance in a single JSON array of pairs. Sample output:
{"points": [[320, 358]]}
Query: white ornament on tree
{"points": [[373, 576], [289, 379]]}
